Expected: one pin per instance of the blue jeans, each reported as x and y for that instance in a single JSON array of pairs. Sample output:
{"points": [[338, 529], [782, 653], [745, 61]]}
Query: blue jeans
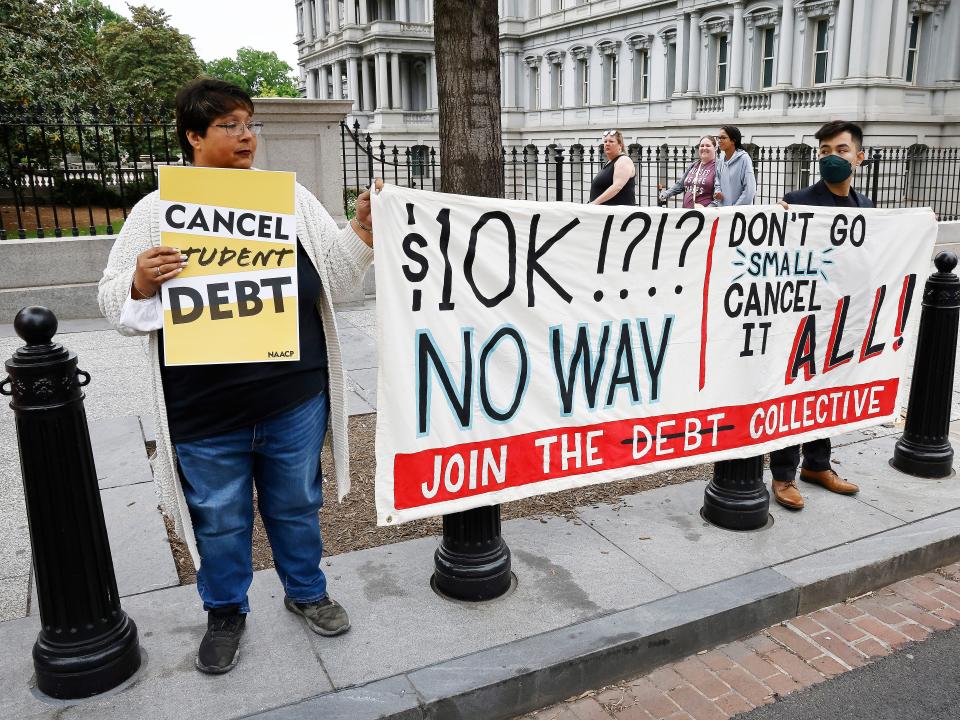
{"points": [[282, 456]]}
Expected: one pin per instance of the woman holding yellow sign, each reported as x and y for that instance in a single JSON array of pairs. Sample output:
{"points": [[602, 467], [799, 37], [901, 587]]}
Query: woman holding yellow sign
{"points": [[223, 428]]}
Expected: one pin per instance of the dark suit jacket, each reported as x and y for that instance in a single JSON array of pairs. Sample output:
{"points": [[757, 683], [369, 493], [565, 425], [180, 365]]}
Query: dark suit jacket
{"points": [[819, 194]]}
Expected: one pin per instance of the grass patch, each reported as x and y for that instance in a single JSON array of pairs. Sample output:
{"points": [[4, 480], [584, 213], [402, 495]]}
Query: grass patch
{"points": [[66, 232]]}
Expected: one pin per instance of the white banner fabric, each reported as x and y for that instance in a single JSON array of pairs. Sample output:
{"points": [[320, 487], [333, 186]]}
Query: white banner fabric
{"points": [[531, 347]]}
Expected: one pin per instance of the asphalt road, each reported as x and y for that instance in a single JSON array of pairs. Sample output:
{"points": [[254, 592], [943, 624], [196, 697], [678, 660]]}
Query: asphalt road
{"points": [[919, 682]]}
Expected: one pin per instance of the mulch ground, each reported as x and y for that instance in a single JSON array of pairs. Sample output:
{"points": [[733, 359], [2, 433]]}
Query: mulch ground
{"points": [[352, 525], [49, 218]]}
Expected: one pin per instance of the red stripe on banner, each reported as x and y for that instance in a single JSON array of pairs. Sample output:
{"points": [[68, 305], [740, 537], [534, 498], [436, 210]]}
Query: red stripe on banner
{"points": [[703, 316], [458, 471]]}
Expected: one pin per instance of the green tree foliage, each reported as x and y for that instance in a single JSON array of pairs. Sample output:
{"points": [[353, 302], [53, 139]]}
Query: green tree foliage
{"points": [[47, 56], [260, 73], [95, 16], [146, 58]]}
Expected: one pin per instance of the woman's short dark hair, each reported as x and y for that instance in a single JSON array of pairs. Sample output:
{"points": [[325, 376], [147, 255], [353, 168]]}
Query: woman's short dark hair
{"points": [[201, 101], [733, 132]]}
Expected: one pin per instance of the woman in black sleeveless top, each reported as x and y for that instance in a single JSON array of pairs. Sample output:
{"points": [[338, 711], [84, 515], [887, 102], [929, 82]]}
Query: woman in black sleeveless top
{"points": [[615, 183]]}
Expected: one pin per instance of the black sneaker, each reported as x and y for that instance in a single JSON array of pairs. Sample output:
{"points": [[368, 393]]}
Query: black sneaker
{"points": [[324, 617], [220, 647]]}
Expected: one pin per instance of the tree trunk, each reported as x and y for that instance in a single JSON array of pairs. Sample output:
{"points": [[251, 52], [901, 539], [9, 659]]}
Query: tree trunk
{"points": [[472, 562], [467, 40]]}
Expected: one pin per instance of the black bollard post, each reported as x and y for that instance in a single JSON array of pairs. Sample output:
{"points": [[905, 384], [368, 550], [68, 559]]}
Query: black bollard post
{"points": [[737, 497], [87, 644], [924, 448], [472, 562]]}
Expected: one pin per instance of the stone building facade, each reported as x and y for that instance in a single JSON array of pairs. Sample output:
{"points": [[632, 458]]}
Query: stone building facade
{"points": [[661, 71]]}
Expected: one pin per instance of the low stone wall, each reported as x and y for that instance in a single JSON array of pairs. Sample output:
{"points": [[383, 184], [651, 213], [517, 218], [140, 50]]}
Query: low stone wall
{"points": [[62, 274], [948, 237], [59, 273]]}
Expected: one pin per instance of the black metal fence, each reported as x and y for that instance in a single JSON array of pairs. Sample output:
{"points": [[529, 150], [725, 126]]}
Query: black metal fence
{"points": [[78, 171], [917, 176]]}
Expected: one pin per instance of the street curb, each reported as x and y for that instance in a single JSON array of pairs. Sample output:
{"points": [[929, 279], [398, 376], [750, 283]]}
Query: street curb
{"points": [[508, 680]]}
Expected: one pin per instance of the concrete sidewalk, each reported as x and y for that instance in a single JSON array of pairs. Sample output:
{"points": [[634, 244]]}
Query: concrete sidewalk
{"points": [[118, 399], [616, 591]]}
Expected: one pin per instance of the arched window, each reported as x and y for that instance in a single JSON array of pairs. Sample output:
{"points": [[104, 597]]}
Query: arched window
{"points": [[716, 31], [581, 76], [762, 24], [609, 53]]}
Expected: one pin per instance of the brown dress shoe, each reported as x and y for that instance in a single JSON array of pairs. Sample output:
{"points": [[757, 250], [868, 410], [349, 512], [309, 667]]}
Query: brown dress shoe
{"points": [[786, 493], [830, 480]]}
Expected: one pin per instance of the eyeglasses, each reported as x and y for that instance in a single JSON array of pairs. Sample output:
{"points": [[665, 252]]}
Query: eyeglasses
{"points": [[608, 133], [237, 129]]}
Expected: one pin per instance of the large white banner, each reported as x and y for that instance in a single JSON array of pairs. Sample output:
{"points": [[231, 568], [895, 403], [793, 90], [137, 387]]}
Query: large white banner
{"points": [[531, 347]]}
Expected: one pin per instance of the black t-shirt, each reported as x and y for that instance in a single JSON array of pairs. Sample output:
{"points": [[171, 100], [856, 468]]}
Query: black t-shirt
{"points": [[843, 200], [207, 400]]}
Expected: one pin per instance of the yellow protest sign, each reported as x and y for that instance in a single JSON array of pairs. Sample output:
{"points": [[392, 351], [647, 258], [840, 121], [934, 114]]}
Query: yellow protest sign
{"points": [[236, 300]]}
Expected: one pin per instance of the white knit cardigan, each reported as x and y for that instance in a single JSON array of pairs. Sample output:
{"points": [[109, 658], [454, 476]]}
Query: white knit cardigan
{"points": [[340, 258]]}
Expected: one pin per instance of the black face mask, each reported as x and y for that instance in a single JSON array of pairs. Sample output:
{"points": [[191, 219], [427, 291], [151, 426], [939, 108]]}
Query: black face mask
{"points": [[834, 169]]}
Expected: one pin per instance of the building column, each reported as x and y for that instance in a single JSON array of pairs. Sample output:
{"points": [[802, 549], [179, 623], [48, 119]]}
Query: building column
{"points": [[680, 75], [336, 80], [322, 75], [383, 96], [322, 9], [948, 68], [309, 30], [428, 75], [401, 11], [785, 51], [350, 12], [395, 81], [693, 80], [898, 49], [503, 79], [405, 85], [352, 82], [366, 85], [432, 81], [859, 40], [362, 17], [332, 7], [879, 51], [841, 40], [509, 79], [736, 48]]}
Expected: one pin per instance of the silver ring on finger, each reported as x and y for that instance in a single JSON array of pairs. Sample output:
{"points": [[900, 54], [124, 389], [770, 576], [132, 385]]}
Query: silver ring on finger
{"points": [[158, 271]]}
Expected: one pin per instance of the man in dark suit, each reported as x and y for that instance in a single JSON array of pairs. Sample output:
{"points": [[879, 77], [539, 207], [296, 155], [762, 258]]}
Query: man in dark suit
{"points": [[841, 152]]}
